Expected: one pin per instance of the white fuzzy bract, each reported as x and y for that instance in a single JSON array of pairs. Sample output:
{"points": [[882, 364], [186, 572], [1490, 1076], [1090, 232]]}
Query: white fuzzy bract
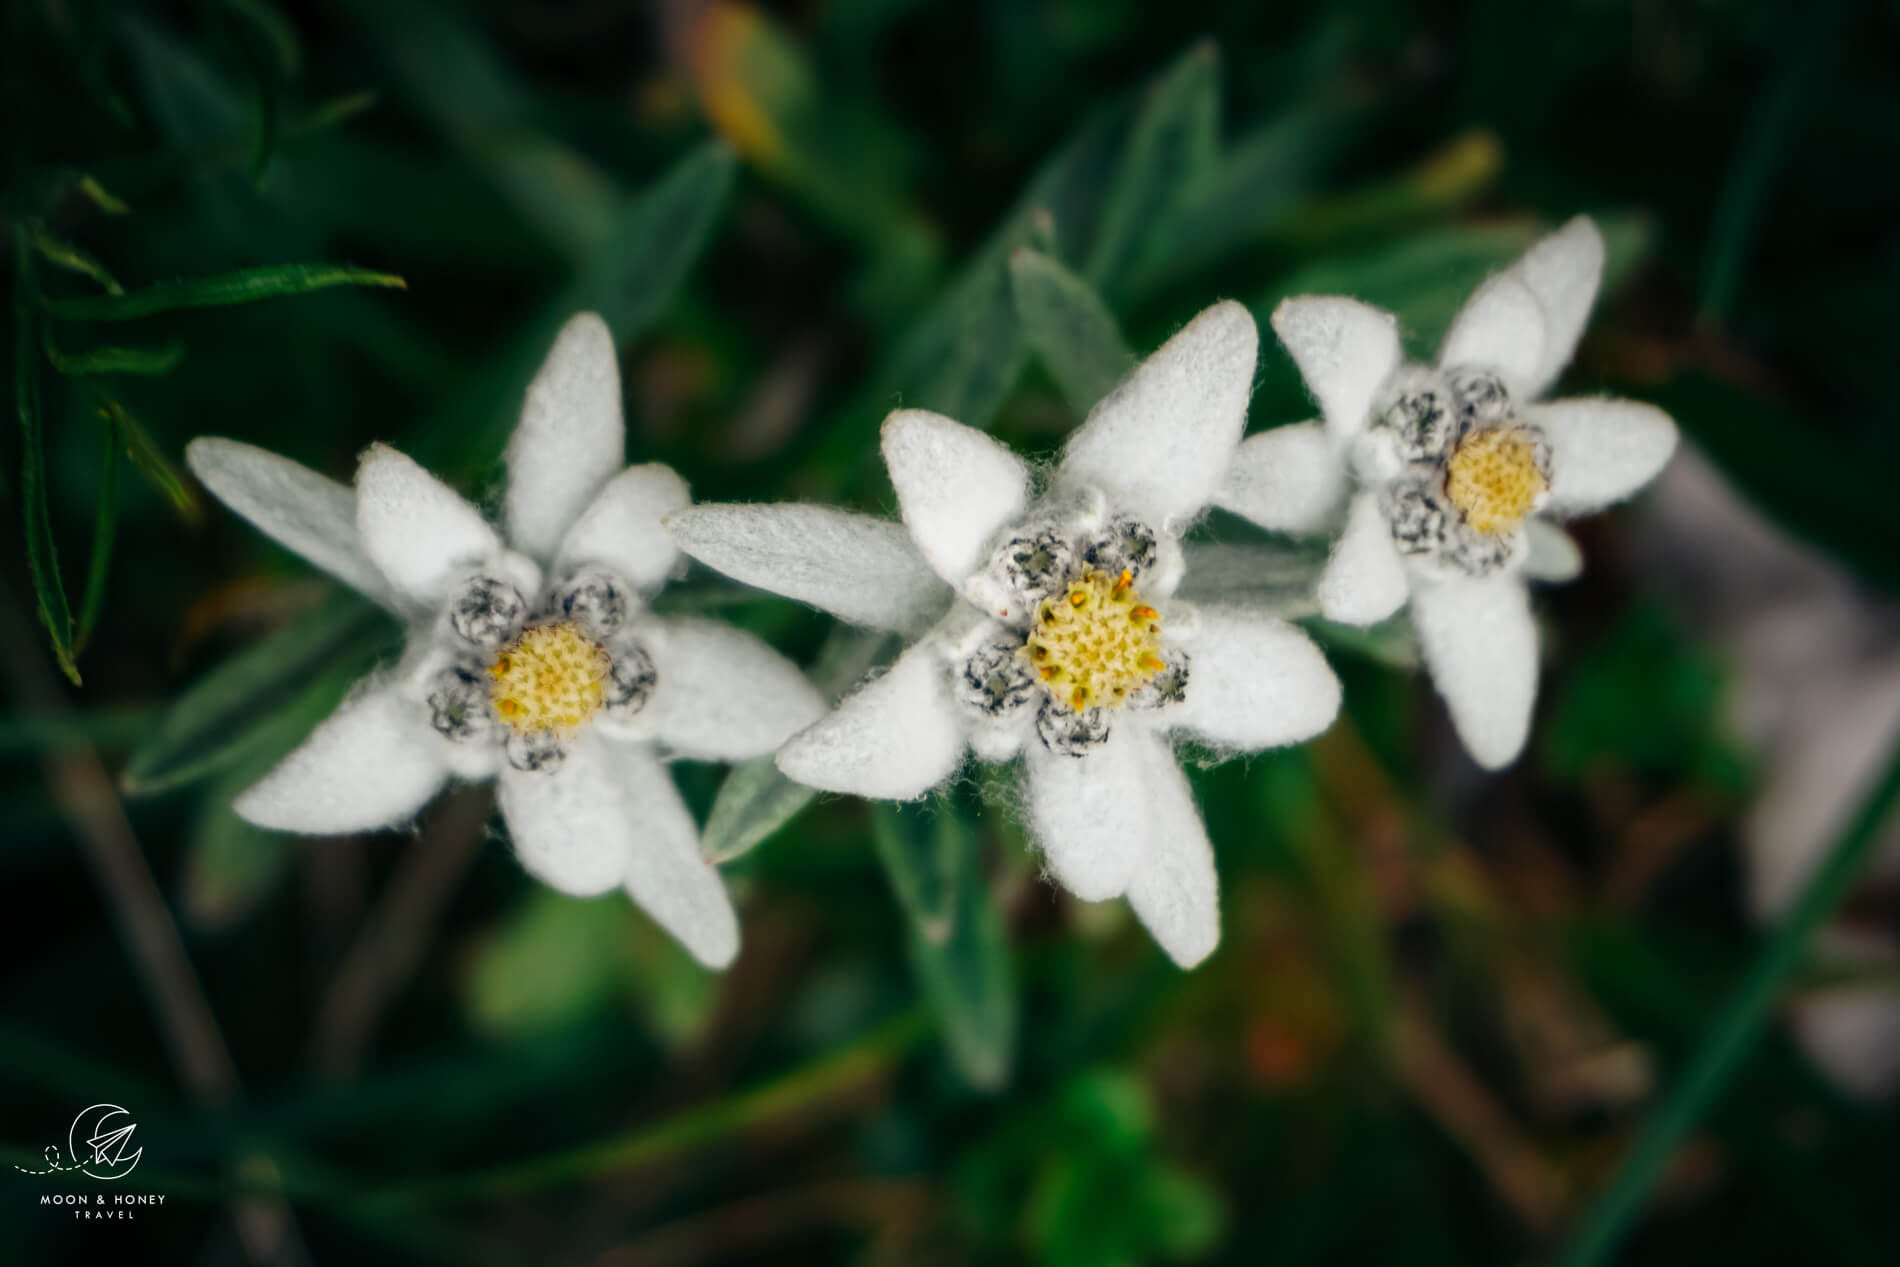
{"points": [[1449, 472], [532, 659], [1044, 627]]}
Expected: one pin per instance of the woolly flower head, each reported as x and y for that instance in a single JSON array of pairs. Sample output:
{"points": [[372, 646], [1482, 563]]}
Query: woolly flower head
{"points": [[1044, 625], [1451, 472], [531, 657]]}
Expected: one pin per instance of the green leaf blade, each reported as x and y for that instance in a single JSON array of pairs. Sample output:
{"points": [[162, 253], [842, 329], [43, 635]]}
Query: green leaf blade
{"points": [[1069, 327], [244, 286]]}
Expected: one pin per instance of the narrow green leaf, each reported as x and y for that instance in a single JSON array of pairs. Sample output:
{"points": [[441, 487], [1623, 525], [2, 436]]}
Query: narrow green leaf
{"points": [[1391, 643], [275, 31], [42, 556], [919, 847], [754, 801], [218, 718], [230, 865], [334, 113], [112, 360], [1172, 149], [63, 254], [105, 525], [966, 974], [242, 287], [1068, 326], [149, 460], [40, 733]]}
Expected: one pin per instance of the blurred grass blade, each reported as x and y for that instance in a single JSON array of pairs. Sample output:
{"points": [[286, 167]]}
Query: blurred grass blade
{"points": [[42, 556], [1172, 149], [230, 866], [1764, 147], [112, 360], [244, 286], [221, 717], [754, 801], [1728, 1040], [101, 197], [149, 460], [1444, 181], [65, 255], [966, 974], [1068, 326], [105, 524]]}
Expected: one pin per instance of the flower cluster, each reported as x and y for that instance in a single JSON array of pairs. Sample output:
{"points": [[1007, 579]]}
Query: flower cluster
{"points": [[1042, 612]]}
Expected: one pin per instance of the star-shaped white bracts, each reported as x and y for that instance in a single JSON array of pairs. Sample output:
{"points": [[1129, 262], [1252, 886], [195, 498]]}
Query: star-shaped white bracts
{"points": [[1451, 468], [534, 661], [1044, 626]]}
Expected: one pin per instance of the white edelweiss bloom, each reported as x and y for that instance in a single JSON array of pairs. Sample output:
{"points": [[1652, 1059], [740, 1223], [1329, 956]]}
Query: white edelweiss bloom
{"points": [[531, 658], [1044, 626], [1455, 471]]}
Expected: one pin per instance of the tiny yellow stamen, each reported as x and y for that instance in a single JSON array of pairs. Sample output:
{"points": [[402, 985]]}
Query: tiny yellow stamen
{"points": [[1493, 478], [1096, 642], [552, 678]]}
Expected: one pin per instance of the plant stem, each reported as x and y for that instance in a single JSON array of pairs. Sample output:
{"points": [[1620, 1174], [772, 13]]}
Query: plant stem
{"points": [[1735, 1030]]}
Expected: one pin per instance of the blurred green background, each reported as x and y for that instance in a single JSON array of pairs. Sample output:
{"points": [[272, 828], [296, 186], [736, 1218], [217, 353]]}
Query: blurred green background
{"points": [[1443, 1002]]}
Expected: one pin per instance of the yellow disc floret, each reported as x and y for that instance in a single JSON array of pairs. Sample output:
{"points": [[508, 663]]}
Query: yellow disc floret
{"points": [[1493, 478], [552, 678], [1095, 642]]}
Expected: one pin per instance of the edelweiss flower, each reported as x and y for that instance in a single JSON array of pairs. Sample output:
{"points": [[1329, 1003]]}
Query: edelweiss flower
{"points": [[537, 663], [1451, 466], [1066, 646]]}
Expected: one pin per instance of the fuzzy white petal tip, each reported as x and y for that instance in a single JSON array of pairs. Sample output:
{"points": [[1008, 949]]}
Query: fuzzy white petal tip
{"points": [[1364, 581], [1480, 643], [1174, 891], [417, 530], [1289, 479], [1345, 351], [1501, 328], [372, 764], [570, 439], [860, 569], [893, 739], [623, 527], [1563, 271], [955, 486], [720, 694], [295, 506], [1160, 442], [1254, 682], [1602, 450]]}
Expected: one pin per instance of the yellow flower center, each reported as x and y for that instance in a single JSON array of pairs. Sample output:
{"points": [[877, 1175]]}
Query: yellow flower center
{"points": [[1095, 642], [553, 677], [1493, 478]]}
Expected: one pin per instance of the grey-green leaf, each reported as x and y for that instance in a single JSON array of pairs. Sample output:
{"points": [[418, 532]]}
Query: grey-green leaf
{"points": [[1069, 327], [245, 286]]}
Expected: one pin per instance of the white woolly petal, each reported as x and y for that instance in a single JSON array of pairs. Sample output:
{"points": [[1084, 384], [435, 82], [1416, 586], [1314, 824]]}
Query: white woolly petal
{"points": [[1345, 350], [862, 570], [1480, 644], [666, 875], [893, 739], [1550, 554], [955, 486], [1174, 891], [570, 439], [371, 764], [1158, 444], [1602, 449], [570, 824], [1088, 814], [1364, 581], [1563, 271], [419, 532], [720, 694], [291, 504], [621, 528], [1288, 479], [1502, 328], [1253, 682]]}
